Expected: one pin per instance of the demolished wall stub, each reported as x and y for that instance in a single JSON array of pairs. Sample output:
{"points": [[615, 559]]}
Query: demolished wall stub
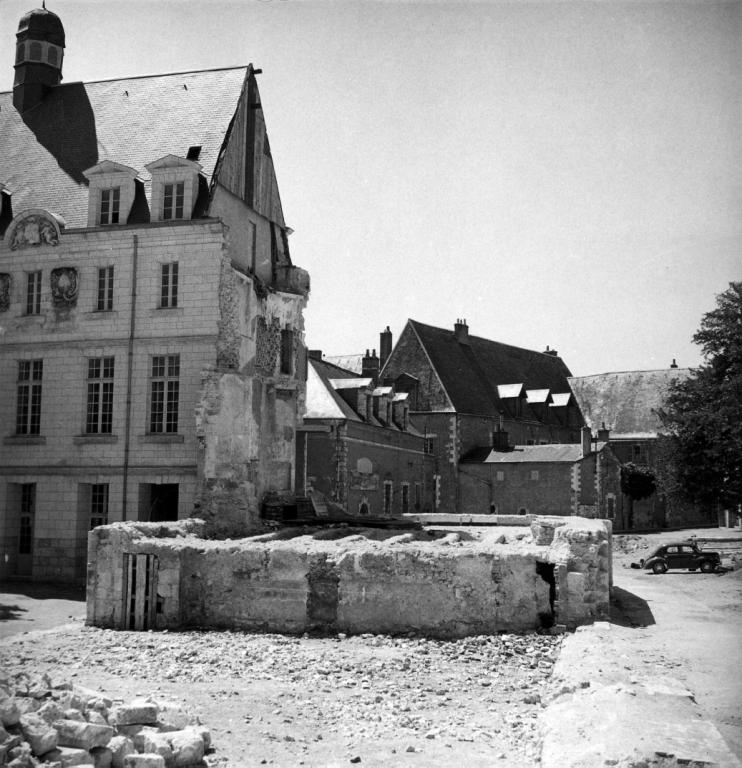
{"points": [[436, 583]]}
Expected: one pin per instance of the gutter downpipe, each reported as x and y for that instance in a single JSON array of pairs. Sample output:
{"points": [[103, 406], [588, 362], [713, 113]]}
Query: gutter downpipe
{"points": [[129, 371]]}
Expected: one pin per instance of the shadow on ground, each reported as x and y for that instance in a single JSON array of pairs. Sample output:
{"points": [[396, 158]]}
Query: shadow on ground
{"points": [[629, 610], [42, 591], [10, 612]]}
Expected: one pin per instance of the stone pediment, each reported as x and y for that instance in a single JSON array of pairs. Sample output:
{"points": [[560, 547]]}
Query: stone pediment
{"points": [[34, 227], [169, 162], [106, 167]]}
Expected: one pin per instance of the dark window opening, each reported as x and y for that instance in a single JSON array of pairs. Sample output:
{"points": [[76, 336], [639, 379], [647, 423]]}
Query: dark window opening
{"points": [[546, 572], [28, 410], [169, 285], [98, 505], [110, 201], [33, 293], [28, 507], [163, 502], [164, 394], [363, 509], [99, 418], [105, 289], [194, 152], [405, 499], [287, 351]]}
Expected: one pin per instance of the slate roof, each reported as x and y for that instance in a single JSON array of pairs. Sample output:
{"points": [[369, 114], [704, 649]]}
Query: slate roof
{"points": [[322, 401], [567, 453], [132, 121], [470, 373], [353, 363], [626, 401]]}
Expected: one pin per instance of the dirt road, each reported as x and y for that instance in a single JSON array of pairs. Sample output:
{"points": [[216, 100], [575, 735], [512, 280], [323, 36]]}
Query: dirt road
{"points": [[694, 621]]}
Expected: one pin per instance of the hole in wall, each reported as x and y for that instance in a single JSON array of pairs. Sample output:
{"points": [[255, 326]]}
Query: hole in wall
{"points": [[546, 572]]}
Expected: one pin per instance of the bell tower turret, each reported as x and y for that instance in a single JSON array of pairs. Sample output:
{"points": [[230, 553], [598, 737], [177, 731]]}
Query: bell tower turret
{"points": [[38, 57]]}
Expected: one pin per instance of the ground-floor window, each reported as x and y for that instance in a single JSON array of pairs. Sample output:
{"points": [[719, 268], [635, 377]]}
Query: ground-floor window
{"points": [[28, 507], [98, 505], [158, 502], [610, 506], [418, 497], [405, 498], [387, 497]]}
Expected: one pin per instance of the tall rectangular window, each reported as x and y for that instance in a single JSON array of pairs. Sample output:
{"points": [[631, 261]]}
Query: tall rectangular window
{"points": [[28, 507], [99, 418], [287, 351], [33, 293], [387, 497], [169, 285], [105, 289], [164, 394], [172, 207], [28, 412], [110, 201], [405, 498], [98, 505]]}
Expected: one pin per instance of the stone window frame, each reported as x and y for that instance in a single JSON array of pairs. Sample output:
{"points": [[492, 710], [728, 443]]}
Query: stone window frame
{"points": [[28, 397], [405, 498], [99, 495], [104, 179], [105, 289], [169, 173], [169, 272], [164, 395], [99, 401], [388, 498], [33, 292]]}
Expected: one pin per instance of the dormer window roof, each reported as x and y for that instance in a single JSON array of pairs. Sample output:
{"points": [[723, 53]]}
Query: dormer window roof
{"points": [[112, 190], [174, 187]]}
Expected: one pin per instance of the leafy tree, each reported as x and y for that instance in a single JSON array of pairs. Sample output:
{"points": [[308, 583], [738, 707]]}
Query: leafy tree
{"points": [[703, 414], [637, 482]]}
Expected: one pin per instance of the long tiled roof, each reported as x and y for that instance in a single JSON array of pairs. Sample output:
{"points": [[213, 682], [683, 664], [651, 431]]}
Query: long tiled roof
{"points": [[131, 121], [627, 401], [471, 372], [530, 454]]}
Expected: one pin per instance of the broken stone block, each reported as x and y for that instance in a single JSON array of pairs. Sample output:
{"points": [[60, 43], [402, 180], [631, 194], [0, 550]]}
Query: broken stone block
{"points": [[51, 711], [74, 714], [188, 746], [26, 705], [137, 712], [72, 756], [130, 730], [139, 737], [172, 717], [82, 735], [92, 698], [38, 733], [102, 757], [144, 761], [154, 743], [93, 716], [9, 712], [120, 747], [204, 733]]}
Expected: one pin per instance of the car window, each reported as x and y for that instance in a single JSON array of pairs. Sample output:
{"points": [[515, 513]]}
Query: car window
{"points": [[672, 550]]}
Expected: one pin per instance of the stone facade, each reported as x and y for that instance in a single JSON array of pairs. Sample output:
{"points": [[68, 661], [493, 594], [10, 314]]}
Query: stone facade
{"points": [[444, 584], [135, 294]]}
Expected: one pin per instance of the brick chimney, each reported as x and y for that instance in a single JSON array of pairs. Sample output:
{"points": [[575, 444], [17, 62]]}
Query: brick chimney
{"points": [[314, 354], [587, 441], [370, 366], [461, 332], [604, 433], [673, 364], [385, 346], [500, 440], [551, 352]]}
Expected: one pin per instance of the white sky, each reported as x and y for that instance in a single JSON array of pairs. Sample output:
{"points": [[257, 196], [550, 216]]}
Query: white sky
{"points": [[556, 173]]}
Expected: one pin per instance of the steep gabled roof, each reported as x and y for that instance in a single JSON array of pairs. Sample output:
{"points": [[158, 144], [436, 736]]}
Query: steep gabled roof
{"points": [[322, 399], [132, 121], [352, 363], [627, 401], [470, 373]]}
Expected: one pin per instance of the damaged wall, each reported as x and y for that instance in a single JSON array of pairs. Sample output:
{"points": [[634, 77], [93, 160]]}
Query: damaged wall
{"points": [[439, 583]]}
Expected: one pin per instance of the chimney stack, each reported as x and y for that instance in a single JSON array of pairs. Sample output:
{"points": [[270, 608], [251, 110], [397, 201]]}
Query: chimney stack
{"points": [[315, 354], [385, 346], [673, 364], [500, 440], [370, 367], [587, 441], [551, 352], [461, 332], [604, 433]]}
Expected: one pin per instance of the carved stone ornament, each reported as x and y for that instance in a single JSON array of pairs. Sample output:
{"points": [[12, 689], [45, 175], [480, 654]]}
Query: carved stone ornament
{"points": [[4, 291], [34, 227], [64, 287]]}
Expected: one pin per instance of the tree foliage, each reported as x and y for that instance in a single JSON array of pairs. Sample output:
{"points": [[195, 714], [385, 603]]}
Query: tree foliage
{"points": [[703, 413], [637, 481]]}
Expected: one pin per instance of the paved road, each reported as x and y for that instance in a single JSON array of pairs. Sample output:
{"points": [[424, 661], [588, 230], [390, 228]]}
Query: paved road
{"points": [[695, 620]]}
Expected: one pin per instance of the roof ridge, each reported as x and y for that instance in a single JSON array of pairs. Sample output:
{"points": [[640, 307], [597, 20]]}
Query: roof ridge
{"points": [[637, 370], [153, 74]]}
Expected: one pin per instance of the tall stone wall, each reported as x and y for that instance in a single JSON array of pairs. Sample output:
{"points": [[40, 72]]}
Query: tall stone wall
{"points": [[438, 583]]}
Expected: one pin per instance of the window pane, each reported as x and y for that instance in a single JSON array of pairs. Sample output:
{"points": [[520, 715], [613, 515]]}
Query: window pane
{"points": [[157, 406]]}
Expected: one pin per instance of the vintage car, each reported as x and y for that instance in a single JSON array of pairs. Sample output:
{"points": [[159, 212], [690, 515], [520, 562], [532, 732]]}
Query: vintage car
{"points": [[682, 554]]}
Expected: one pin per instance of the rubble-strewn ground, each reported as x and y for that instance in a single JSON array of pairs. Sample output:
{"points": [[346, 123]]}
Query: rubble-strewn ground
{"points": [[275, 699]]}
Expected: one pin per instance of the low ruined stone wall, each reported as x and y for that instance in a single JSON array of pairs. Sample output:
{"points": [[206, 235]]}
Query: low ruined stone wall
{"points": [[439, 583]]}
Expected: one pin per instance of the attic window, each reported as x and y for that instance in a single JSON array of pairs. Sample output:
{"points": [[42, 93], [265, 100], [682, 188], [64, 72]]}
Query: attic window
{"points": [[173, 201], [109, 205], [194, 152]]}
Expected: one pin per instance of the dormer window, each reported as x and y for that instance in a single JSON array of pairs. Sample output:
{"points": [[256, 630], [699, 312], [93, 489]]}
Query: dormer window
{"points": [[110, 201], [172, 206], [112, 192], [174, 187]]}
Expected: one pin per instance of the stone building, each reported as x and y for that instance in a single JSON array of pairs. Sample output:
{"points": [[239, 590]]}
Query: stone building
{"points": [[622, 408], [358, 447], [467, 392], [556, 479], [151, 331]]}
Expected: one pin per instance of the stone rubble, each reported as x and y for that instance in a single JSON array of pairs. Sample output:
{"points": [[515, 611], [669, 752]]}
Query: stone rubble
{"points": [[55, 724], [293, 700]]}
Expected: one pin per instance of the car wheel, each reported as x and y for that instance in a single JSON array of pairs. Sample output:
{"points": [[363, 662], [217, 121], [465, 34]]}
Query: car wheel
{"points": [[659, 567], [707, 566]]}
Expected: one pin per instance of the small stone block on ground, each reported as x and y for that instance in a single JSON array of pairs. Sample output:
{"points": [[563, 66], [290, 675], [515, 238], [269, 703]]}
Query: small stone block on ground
{"points": [[72, 756], [137, 712], [81, 735], [144, 761], [188, 746]]}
